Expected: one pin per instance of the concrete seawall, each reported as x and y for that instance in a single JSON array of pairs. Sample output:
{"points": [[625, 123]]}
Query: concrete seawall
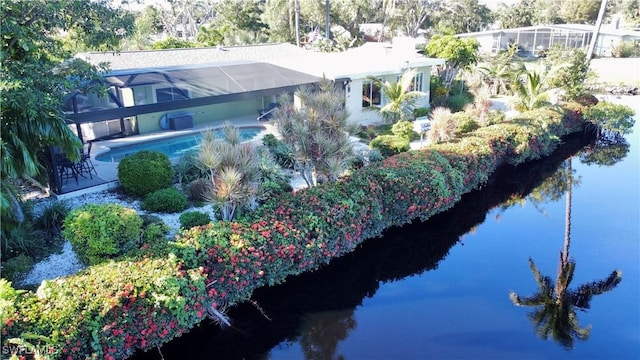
{"points": [[617, 71]]}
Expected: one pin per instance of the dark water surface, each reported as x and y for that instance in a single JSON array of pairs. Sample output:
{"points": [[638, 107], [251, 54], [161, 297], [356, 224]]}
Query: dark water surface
{"points": [[441, 289]]}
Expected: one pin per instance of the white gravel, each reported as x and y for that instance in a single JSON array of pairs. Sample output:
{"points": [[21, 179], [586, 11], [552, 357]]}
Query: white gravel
{"points": [[67, 262]]}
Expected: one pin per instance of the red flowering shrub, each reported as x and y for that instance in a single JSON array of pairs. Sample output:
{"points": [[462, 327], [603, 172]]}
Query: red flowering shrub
{"points": [[111, 309]]}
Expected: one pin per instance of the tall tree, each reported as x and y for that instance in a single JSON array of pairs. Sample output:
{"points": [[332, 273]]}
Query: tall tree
{"points": [[547, 12], [36, 76], [235, 15], [279, 16], [515, 15], [462, 16], [147, 24], [413, 15], [459, 54], [183, 17], [580, 11]]}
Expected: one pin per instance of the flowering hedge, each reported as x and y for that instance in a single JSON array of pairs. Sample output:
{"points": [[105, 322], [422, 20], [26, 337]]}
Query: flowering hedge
{"points": [[112, 309]]}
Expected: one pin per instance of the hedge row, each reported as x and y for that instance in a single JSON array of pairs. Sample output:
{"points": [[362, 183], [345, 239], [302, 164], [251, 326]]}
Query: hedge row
{"points": [[112, 309]]}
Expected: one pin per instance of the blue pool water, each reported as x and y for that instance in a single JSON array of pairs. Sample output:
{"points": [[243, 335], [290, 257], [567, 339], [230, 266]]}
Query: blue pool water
{"points": [[173, 146]]}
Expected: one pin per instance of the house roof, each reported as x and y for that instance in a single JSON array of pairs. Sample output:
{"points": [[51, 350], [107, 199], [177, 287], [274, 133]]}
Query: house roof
{"points": [[360, 62], [372, 58], [143, 59]]}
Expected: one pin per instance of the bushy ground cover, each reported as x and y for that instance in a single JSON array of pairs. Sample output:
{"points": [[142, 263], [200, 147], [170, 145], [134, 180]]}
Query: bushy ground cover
{"points": [[161, 291]]}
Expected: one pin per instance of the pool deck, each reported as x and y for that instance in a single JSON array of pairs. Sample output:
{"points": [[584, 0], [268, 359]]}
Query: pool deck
{"points": [[107, 172]]}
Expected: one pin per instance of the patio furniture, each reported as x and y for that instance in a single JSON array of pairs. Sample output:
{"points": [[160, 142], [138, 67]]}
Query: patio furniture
{"points": [[267, 114], [65, 168], [85, 166]]}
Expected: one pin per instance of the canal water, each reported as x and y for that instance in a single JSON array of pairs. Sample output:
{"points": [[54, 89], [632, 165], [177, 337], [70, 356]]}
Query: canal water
{"points": [[485, 280]]}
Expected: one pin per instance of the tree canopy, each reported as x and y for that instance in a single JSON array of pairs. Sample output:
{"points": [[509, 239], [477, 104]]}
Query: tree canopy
{"points": [[37, 73], [457, 53]]}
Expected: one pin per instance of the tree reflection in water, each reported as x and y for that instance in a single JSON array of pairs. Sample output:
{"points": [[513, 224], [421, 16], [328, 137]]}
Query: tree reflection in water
{"points": [[321, 333], [554, 313]]}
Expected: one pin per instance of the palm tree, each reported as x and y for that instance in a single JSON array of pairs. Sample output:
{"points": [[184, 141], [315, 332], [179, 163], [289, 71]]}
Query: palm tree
{"points": [[400, 96], [554, 313], [532, 87]]}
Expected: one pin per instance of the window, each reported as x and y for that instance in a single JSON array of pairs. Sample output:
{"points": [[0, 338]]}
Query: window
{"points": [[370, 94], [416, 84], [171, 94]]}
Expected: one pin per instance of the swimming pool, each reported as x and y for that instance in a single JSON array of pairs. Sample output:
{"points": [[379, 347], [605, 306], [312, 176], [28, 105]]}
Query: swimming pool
{"points": [[174, 146]]}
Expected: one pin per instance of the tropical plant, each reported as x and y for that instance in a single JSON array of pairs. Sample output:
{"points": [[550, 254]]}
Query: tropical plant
{"points": [[459, 54], [571, 70], [400, 98], [443, 125], [233, 172], [36, 76], [532, 88], [210, 35], [317, 133]]}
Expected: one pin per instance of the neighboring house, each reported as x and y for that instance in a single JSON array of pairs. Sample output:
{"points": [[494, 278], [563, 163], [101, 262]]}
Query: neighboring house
{"points": [[534, 40], [180, 88]]}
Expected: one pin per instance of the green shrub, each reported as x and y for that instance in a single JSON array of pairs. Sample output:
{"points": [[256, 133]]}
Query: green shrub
{"points": [[495, 117], [154, 233], [190, 219], [464, 122], [626, 49], [51, 219], [169, 200], [458, 102], [280, 151], [404, 129], [420, 112], [145, 172], [198, 189], [101, 232], [186, 169], [389, 145], [366, 157], [17, 267]]}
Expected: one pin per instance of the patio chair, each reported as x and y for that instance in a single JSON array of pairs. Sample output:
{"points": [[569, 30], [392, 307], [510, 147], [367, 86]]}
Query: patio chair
{"points": [[267, 114], [86, 165], [65, 168]]}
